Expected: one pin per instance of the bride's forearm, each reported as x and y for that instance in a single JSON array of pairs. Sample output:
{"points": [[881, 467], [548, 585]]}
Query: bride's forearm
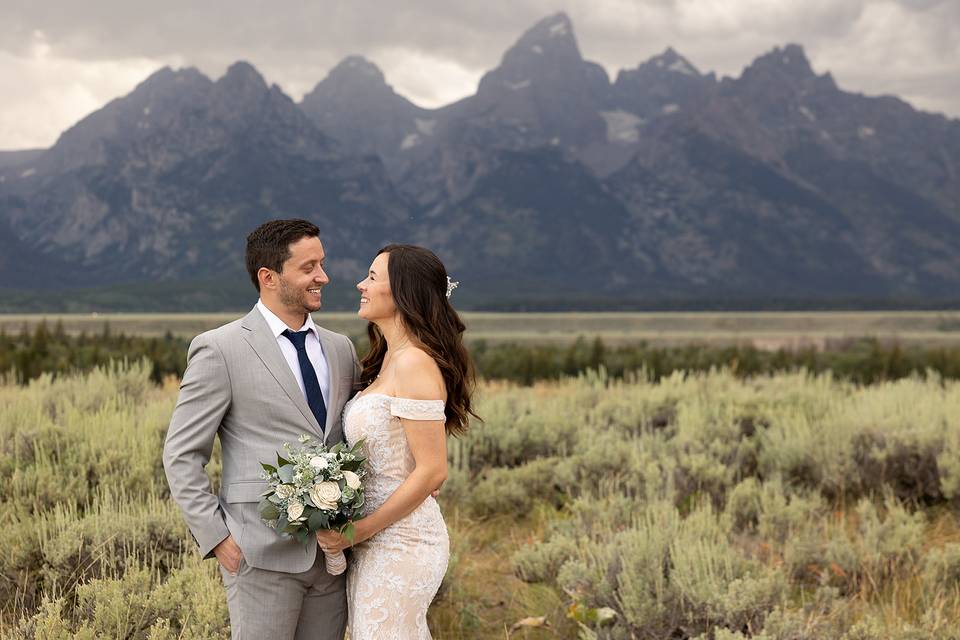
{"points": [[402, 502]]}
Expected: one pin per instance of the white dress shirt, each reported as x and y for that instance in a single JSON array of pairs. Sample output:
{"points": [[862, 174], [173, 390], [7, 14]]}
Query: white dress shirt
{"points": [[314, 351]]}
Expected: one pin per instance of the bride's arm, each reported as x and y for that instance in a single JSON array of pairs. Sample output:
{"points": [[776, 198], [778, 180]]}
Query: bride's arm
{"points": [[419, 378]]}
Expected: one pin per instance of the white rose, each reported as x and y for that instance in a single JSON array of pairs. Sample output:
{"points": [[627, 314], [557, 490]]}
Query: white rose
{"points": [[353, 480], [317, 502], [325, 495], [294, 510], [285, 491], [318, 462]]}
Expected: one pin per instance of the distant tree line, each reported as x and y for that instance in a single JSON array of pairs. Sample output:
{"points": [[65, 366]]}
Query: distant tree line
{"points": [[30, 353], [865, 360], [44, 349]]}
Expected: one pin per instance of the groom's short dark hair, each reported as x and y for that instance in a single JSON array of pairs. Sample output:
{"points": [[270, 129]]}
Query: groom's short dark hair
{"points": [[269, 244]]}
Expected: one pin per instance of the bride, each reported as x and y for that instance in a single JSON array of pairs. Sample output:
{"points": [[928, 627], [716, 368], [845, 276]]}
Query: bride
{"points": [[417, 380]]}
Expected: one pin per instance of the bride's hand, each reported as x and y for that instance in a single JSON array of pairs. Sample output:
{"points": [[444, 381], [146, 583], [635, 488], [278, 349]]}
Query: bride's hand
{"points": [[332, 541]]}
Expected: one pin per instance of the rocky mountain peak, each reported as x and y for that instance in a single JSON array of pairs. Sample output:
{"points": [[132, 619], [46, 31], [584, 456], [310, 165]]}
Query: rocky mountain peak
{"points": [[790, 61], [671, 62], [549, 41], [357, 69], [663, 85], [545, 88], [152, 104], [354, 79], [546, 57], [242, 77], [166, 78], [554, 31], [163, 89], [355, 105], [779, 76]]}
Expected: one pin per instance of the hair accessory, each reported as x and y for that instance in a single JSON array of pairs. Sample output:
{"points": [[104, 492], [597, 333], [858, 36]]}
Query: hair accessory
{"points": [[451, 285]]}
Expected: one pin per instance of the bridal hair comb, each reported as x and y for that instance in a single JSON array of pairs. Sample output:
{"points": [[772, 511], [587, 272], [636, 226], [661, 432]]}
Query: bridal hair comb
{"points": [[451, 285]]}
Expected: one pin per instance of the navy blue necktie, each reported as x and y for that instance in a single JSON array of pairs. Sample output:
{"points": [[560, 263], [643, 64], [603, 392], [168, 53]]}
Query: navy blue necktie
{"points": [[310, 383]]}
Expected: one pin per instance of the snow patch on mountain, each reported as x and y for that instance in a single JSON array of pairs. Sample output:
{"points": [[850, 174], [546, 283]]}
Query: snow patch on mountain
{"points": [[622, 126], [681, 66], [425, 126]]}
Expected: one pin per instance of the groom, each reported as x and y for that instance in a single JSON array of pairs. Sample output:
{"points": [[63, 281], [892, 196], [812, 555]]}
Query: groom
{"points": [[259, 382]]}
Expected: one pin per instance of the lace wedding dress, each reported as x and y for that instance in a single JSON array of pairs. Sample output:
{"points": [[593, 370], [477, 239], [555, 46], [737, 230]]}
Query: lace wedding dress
{"points": [[394, 575]]}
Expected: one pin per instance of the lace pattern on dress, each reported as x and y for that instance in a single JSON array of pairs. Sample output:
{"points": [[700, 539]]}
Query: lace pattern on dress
{"points": [[410, 409], [394, 575]]}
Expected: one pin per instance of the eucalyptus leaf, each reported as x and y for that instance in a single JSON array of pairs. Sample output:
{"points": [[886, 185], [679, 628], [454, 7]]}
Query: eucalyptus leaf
{"points": [[268, 510], [286, 473]]}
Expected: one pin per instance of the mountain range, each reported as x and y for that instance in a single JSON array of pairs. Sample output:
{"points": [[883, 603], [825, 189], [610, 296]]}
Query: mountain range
{"points": [[552, 187]]}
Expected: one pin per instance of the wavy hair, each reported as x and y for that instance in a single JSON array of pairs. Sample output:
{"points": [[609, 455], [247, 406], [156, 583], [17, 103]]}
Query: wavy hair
{"points": [[418, 284]]}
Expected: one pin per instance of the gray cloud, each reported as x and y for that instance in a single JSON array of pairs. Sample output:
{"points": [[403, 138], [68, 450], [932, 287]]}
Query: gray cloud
{"points": [[63, 59]]}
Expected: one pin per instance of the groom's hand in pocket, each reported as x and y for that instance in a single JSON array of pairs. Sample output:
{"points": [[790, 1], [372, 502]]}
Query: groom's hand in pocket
{"points": [[229, 555]]}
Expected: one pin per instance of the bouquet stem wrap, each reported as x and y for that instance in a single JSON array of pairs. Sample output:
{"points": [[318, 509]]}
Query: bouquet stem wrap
{"points": [[336, 562]]}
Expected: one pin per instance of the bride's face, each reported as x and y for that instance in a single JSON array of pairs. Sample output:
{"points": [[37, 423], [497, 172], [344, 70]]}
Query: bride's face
{"points": [[376, 301]]}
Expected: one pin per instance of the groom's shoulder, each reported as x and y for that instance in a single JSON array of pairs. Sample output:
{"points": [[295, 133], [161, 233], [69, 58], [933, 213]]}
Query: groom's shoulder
{"points": [[221, 333]]}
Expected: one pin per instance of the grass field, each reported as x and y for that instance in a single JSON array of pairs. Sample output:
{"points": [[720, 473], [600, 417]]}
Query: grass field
{"points": [[767, 330], [699, 507]]}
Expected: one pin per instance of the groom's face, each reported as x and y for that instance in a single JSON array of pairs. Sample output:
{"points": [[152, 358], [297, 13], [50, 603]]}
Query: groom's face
{"points": [[303, 276]]}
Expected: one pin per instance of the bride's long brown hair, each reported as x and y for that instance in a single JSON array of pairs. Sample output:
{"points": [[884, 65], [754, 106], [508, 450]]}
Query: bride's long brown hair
{"points": [[418, 284]]}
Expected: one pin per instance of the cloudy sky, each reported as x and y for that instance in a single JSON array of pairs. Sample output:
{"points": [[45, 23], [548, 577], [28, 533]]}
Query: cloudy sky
{"points": [[60, 60]]}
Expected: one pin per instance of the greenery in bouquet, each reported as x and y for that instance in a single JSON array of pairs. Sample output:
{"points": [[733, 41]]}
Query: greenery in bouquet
{"points": [[313, 488]]}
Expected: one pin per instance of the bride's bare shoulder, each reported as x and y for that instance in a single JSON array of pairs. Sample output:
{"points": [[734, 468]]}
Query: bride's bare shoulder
{"points": [[418, 375]]}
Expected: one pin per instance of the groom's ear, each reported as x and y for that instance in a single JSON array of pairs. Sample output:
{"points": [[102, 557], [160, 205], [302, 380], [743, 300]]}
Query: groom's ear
{"points": [[267, 278]]}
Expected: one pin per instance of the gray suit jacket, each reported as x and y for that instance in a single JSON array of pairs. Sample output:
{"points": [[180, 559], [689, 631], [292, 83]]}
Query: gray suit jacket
{"points": [[237, 385]]}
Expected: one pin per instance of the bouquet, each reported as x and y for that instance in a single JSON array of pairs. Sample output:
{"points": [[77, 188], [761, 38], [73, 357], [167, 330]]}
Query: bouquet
{"points": [[313, 488]]}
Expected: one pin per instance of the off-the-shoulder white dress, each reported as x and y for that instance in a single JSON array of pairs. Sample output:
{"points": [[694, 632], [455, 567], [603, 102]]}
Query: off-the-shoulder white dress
{"points": [[394, 575]]}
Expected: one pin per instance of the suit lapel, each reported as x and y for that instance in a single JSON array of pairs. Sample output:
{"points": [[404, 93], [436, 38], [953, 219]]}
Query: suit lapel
{"points": [[333, 371], [265, 345]]}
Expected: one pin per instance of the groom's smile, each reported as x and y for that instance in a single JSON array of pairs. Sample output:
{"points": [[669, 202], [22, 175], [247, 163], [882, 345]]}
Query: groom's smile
{"points": [[300, 282]]}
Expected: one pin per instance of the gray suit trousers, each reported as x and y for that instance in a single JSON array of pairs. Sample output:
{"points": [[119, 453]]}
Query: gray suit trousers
{"points": [[311, 605]]}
